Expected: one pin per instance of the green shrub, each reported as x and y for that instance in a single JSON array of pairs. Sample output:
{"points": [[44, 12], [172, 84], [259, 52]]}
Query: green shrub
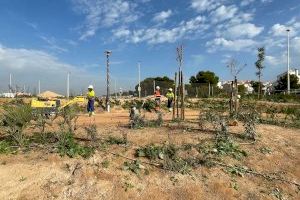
{"points": [[68, 146], [5, 147], [15, 120], [229, 148], [116, 140]]}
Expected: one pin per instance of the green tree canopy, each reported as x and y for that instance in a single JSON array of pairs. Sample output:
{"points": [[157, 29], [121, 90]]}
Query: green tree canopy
{"points": [[255, 85], [242, 89], [147, 85], [282, 82], [205, 77]]}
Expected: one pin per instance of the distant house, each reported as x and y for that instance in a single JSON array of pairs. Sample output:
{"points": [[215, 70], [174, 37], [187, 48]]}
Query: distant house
{"points": [[226, 86], [8, 95]]}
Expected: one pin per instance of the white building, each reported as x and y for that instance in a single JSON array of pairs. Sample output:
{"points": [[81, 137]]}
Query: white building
{"points": [[8, 95]]}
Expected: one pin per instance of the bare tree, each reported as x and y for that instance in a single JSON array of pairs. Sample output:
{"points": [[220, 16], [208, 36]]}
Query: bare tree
{"points": [[235, 68]]}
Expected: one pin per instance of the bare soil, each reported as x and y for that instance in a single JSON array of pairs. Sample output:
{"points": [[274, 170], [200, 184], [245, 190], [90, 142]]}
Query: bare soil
{"points": [[39, 174]]}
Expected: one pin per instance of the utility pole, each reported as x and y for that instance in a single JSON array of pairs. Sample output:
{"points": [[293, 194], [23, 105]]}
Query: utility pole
{"points": [[39, 87], [139, 88], [116, 88], [68, 85], [288, 61], [10, 90], [108, 53]]}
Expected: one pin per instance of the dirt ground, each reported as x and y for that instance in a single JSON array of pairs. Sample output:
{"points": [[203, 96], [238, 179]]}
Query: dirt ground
{"points": [[44, 175]]}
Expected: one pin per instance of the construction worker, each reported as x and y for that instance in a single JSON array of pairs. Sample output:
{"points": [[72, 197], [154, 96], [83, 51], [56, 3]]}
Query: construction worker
{"points": [[91, 100], [157, 97], [170, 96]]}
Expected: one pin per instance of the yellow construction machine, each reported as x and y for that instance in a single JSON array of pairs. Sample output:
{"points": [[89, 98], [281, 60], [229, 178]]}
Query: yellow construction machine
{"points": [[51, 107]]}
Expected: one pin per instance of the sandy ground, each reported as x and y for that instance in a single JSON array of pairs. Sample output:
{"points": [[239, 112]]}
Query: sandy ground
{"points": [[43, 175]]}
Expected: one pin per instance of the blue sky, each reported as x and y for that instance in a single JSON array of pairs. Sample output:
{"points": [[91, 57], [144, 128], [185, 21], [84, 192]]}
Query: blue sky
{"points": [[43, 39]]}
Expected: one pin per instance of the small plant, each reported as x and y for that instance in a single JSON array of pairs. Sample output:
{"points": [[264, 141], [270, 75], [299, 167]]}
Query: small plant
{"points": [[22, 179], [154, 152], [5, 147], [228, 147], [174, 180], [68, 146], [237, 170], [157, 122], [176, 164], [250, 117], [265, 150], [41, 121], [70, 116], [91, 132], [134, 166], [116, 140], [15, 120], [234, 185], [105, 163], [278, 194], [127, 186]]}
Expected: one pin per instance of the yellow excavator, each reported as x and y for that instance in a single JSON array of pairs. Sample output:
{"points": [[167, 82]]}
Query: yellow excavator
{"points": [[51, 107]]}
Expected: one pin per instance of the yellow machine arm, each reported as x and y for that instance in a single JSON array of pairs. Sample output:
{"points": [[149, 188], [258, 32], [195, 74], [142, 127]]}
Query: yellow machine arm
{"points": [[78, 99]]}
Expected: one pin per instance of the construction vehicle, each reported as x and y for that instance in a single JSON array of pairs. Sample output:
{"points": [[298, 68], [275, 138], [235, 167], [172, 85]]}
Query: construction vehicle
{"points": [[52, 107]]}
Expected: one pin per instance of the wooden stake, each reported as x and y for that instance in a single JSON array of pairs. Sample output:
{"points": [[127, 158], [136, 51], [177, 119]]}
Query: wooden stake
{"points": [[175, 94], [182, 97], [179, 94]]}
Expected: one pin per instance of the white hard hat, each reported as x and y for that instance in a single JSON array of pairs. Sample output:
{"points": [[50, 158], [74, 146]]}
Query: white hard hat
{"points": [[170, 89], [238, 96], [90, 87], [157, 87]]}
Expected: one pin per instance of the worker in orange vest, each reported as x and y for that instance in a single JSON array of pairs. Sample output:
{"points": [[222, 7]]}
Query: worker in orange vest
{"points": [[157, 97]]}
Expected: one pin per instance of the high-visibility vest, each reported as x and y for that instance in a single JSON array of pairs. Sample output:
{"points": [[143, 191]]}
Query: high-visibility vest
{"points": [[157, 94], [91, 94], [170, 95]]}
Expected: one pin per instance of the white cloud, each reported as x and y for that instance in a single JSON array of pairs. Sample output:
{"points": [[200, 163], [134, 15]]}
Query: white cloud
{"points": [[295, 44], [52, 44], [246, 2], [266, 1], [205, 5], [274, 61], [162, 16], [101, 13], [280, 29], [154, 35], [223, 13], [248, 30], [231, 45], [30, 65]]}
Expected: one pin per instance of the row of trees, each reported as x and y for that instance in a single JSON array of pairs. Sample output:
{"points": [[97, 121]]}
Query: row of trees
{"points": [[200, 83], [204, 80]]}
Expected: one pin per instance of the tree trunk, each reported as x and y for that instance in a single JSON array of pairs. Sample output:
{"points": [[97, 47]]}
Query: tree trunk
{"points": [[259, 86]]}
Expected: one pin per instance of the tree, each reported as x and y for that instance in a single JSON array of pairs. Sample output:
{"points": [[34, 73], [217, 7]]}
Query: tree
{"points": [[282, 82], [147, 85], [199, 84], [205, 77], [235, 69], [260, 66], [242, 89], [256, 85]]}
